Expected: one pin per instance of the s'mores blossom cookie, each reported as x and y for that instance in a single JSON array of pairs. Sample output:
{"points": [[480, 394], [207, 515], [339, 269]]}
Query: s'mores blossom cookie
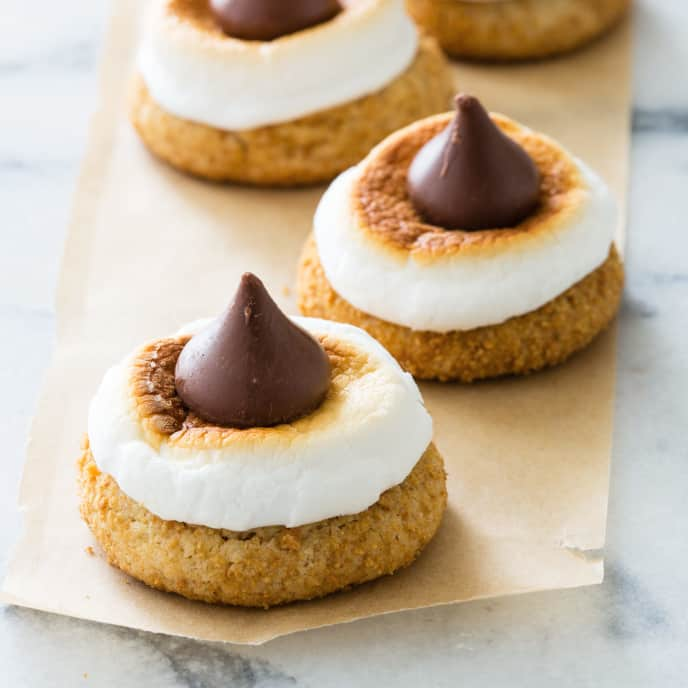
{"points": [[256, 459], [469, 245], [278, 93], [515, 29]]}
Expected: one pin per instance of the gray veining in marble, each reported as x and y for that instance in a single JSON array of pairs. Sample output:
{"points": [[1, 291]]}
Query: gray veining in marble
{"points": [[632, 630]]}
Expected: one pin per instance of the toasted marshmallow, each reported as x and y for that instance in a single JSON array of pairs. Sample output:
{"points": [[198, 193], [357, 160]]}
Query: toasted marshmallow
{"points": [[443, 280], [195, 72], [365, 438]]}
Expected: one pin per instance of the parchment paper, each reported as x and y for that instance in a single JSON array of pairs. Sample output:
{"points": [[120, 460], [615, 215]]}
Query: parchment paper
{"points": [[150, 249]]}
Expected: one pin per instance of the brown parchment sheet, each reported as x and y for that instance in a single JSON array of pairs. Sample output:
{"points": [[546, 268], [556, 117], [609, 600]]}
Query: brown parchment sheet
{"points": [[150, 249]]}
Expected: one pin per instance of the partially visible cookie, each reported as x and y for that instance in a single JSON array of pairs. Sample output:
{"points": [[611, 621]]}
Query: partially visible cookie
{"points": [[292, 110], [308, 150], [515, 29]]}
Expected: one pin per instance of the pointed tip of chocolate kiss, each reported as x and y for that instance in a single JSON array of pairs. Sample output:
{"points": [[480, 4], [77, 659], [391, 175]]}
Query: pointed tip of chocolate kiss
{"points": [[265, 20], [252, 366], [465, 101], [471, 175]]}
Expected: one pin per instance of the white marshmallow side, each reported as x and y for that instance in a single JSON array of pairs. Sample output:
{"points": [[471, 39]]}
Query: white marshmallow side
{"points": [[232, 84], [459, 292], [339, 467]]}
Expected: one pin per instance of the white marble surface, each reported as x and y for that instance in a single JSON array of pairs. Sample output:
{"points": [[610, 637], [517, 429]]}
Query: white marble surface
{"points": [[630, 631]]}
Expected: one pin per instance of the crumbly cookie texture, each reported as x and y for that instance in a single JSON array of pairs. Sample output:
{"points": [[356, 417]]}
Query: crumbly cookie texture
{"points": [[516, 29], [535, 340], [308, 150], [265, 566]]}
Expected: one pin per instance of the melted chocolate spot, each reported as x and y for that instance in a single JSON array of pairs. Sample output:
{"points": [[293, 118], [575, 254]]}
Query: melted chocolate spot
{"points": [[265, 20], [252, 366], [472, 176]]}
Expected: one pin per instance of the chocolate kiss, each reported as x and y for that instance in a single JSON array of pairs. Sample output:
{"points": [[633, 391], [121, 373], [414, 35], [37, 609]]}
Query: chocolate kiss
{"points": [[252, 366], [263, 20], [472, 176]]}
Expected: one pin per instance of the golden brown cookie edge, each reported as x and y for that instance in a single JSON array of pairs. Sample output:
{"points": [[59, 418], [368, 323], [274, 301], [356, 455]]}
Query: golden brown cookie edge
{"points": [[265, 566], [524, 344], [484, 32], [303, 151]]}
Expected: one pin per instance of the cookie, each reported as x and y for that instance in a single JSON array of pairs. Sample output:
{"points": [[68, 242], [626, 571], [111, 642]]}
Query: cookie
{"points": [[464, 296], [292, 111], [255, 459], [515, 29], [536, 340], [268, 566]]}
